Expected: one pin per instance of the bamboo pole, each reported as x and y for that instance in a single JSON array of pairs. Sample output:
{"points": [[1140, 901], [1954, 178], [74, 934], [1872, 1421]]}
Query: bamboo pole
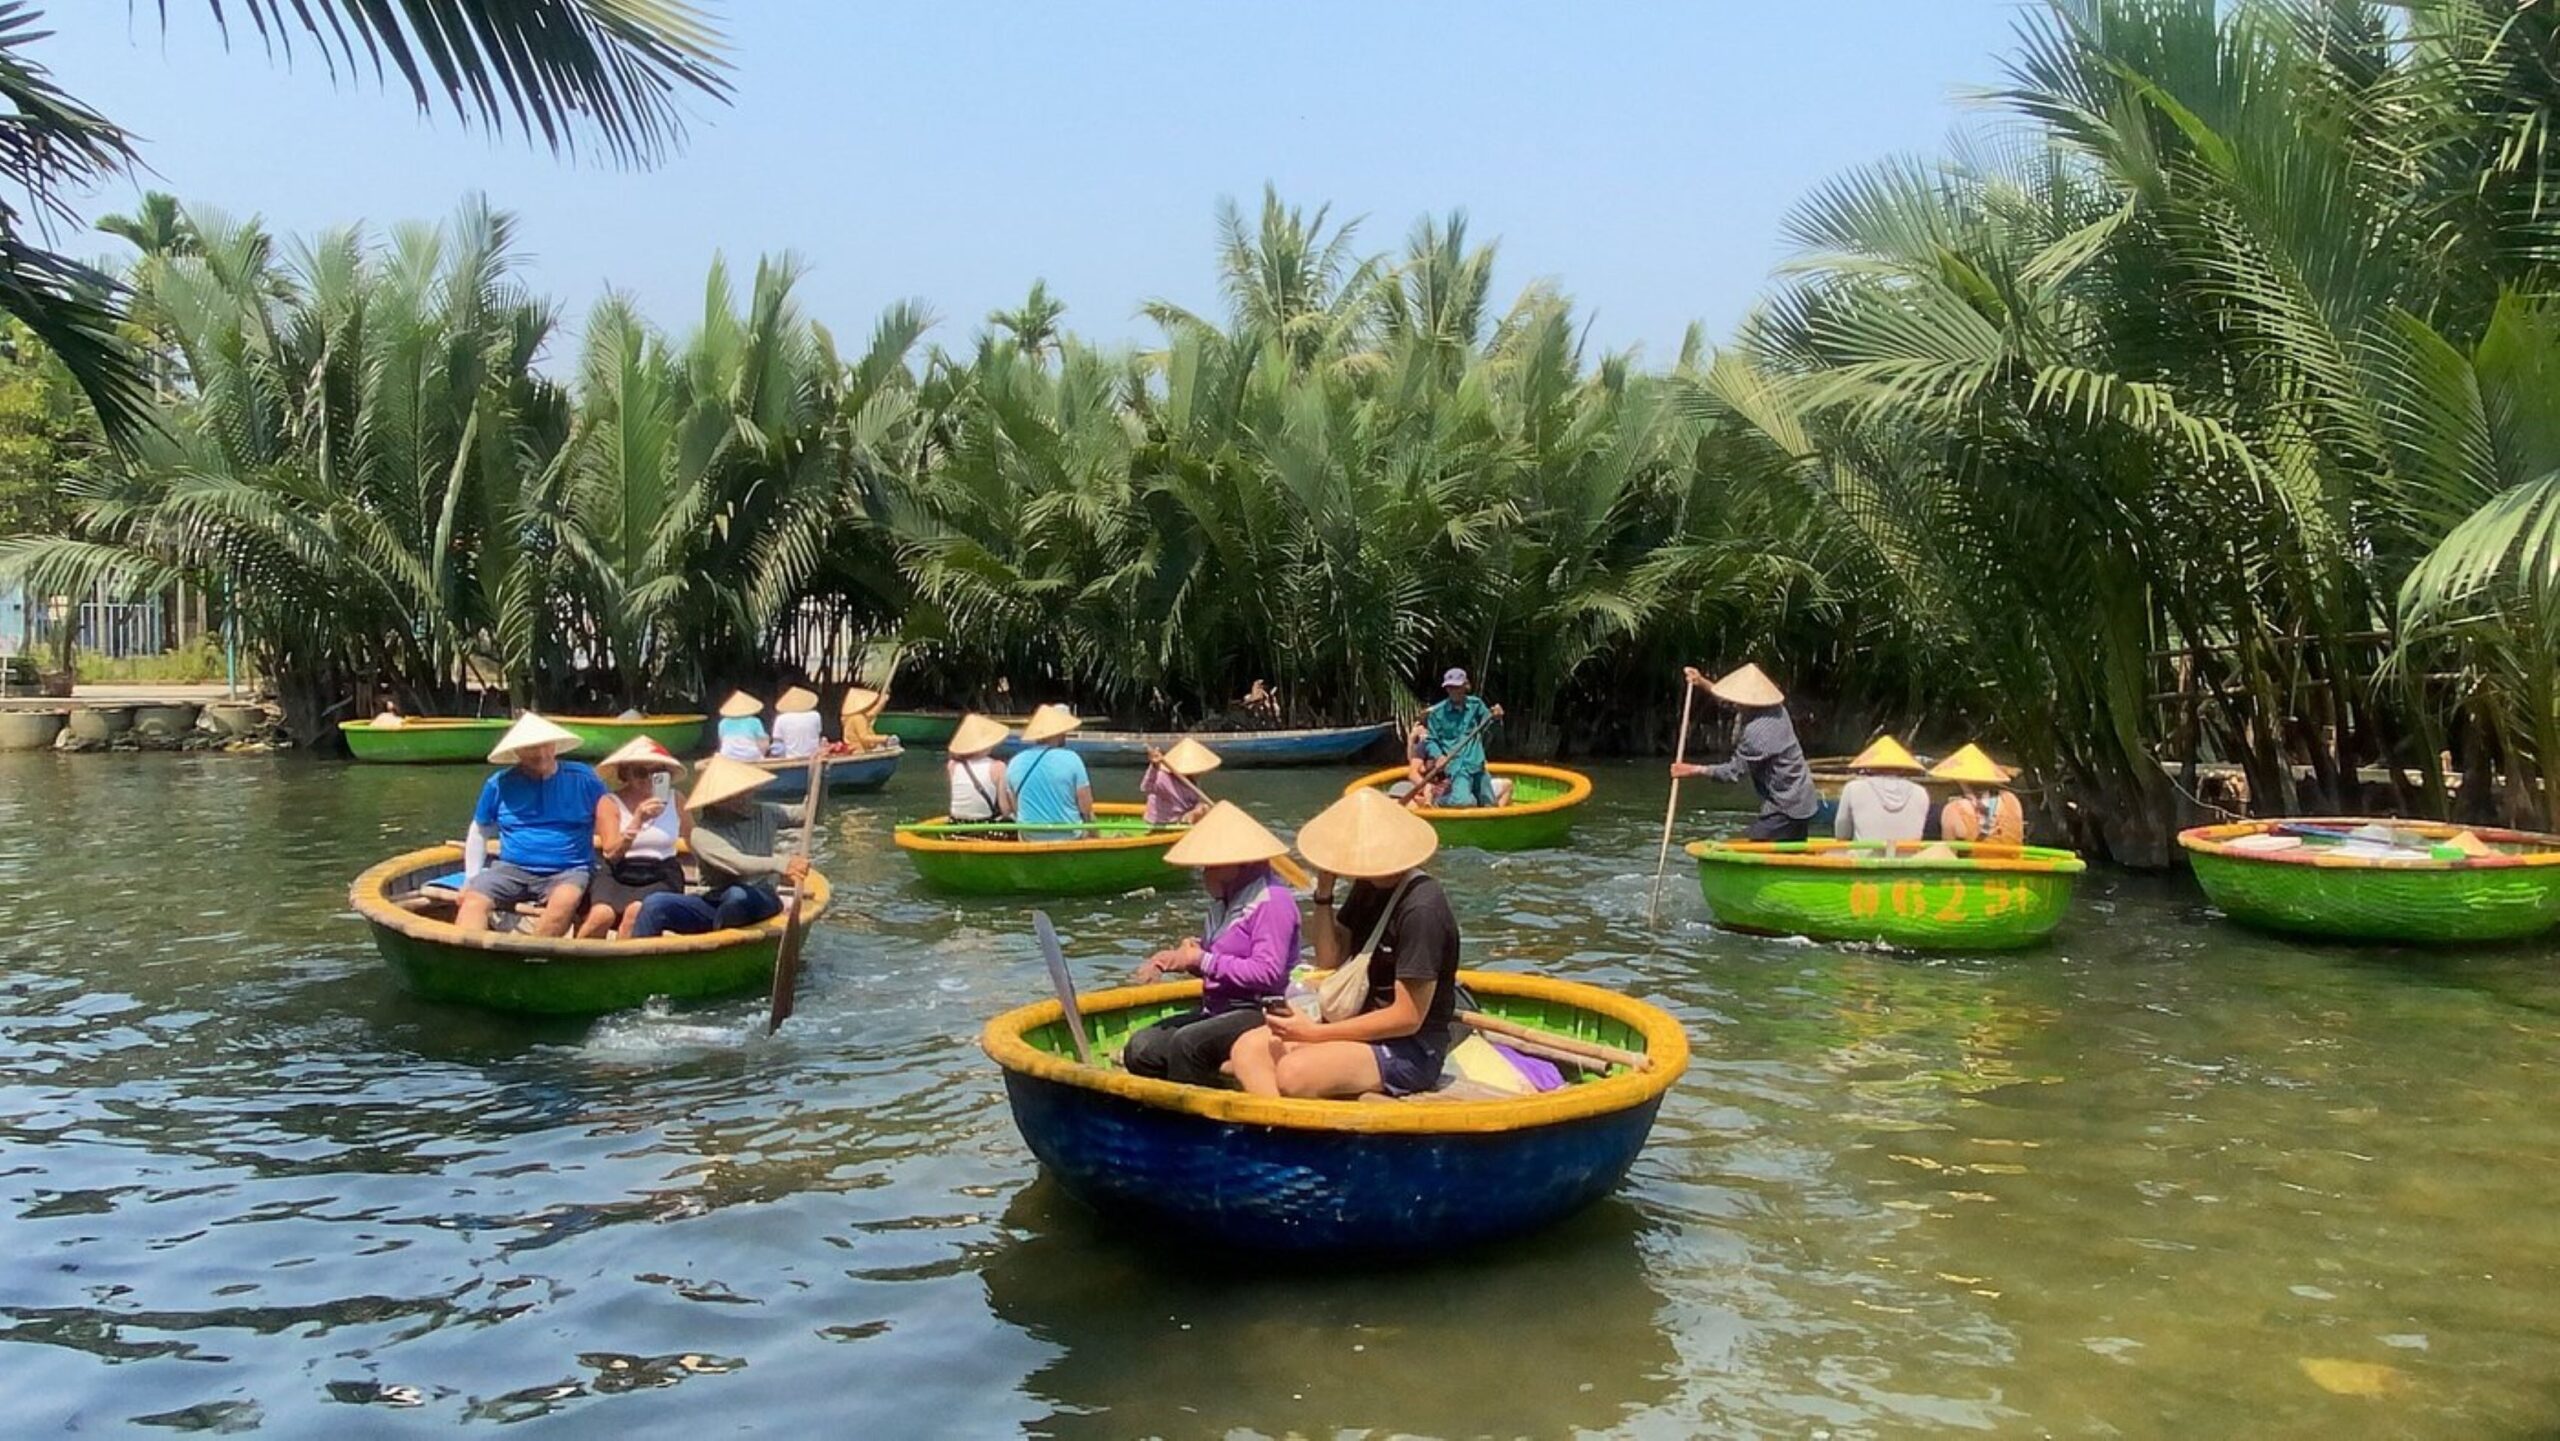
{"points": [[1671, 808], [1575, 1046]]}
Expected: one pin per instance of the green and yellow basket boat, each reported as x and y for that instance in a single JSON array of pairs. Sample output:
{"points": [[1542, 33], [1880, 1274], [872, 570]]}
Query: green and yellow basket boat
{"points": [[410, 910], [918, 727], [2313, 888], [1409, 1178], [1543, 802], [1118, 852], [1984, 898], [465, 740]]}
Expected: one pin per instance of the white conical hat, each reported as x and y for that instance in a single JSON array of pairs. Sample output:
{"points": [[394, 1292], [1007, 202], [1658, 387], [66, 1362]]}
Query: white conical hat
{"points": [[1747, 686], [861, 700], [1366, 834], [722, 778], [1048, 723], [740, 704], [642, 753], [1226, 836], [1190, 758], [529, 732], [795, 700], [976, 735]]}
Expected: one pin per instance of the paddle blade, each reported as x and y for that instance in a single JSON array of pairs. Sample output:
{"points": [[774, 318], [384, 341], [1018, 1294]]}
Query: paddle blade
{"points": [[1064, 983]]}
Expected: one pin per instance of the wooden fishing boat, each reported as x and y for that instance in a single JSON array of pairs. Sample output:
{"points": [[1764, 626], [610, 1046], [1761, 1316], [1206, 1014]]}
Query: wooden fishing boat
{"points": [[410, 909], [465, 740], [848, 772], [1543, 802], [2324, 885], [1118, 852], [1246, 750], [1412, 1177], [1987, 897]]}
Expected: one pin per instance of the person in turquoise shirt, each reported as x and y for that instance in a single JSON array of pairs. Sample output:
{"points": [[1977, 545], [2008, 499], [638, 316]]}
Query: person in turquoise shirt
{"points": [[1049, 782], [1454, 733]]}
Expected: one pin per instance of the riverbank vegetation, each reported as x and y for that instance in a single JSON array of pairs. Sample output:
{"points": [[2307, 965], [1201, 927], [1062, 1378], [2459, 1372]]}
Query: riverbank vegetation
{"points": [[2201, 406]]}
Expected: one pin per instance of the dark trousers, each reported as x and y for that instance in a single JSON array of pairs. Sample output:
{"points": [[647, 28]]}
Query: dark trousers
{"points": [[1188, 1048], [669, 913], [1779, 828]]}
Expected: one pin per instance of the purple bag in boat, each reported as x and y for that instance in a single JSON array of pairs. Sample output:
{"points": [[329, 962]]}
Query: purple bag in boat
{"points": [[1541, 1075]]}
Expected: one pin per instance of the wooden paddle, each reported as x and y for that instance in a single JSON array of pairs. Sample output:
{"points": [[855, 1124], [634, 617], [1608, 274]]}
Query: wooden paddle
{"points": [[1064, 983], [1671, 809], [786, 958], [1440, 767], [1291, 874]]}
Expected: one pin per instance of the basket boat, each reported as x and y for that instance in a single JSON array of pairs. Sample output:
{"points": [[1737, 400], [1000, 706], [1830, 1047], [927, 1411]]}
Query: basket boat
{"points": [[1989, 897], [503, 971], [1241, 750], [1118, 852], [2312, 889], [1543, 802], [848, 772], [1411, 1178], [465, 740], [918, 727]]}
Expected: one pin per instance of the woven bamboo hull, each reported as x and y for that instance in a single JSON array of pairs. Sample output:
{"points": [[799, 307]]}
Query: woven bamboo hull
{"points": [[1962, 905], [1205, 1165], [601, 736], [1545, 800], [918, 727], [2427, 905], [1104, 865]]}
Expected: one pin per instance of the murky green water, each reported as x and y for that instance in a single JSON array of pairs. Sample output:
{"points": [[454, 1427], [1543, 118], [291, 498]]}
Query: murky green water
{"points": [[2160, 1179]]}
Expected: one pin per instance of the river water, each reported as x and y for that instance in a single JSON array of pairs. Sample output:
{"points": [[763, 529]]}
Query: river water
{"points": [[2161, 1178]]}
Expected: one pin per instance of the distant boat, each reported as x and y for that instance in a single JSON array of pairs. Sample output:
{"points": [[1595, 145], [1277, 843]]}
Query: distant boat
{"points": [[1918, 896], [847, 771], [1543, 800], [1332, 745], [2335, 877], [1116, 852], [465, 740]]}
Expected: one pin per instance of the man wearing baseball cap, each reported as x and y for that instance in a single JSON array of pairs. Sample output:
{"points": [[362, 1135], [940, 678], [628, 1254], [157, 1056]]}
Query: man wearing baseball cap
{"points": [[1453, 740]]}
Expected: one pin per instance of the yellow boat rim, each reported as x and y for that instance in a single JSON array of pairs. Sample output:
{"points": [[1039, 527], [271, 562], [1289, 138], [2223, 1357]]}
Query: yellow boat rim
{"points": [[1163, 836], [1577, 790], [370, 895], [2216, 841], [1664, 1042]]}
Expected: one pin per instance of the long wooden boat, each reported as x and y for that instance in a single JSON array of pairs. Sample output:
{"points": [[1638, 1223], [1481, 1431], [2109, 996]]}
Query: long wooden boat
{"points": [[1118, 852], [2322, 886], [504, 971], [1543, 802], [1242, 750], [1412, 1177], [848, 772], [465, 740], [1988, 897]]}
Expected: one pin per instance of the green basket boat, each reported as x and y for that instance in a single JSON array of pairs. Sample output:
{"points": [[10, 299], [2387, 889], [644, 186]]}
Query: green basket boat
{"points": [[465, 740], [1543, 802], [1118, 852], [918, 727], [1985, 898], [411, 914], [2310, 888]]}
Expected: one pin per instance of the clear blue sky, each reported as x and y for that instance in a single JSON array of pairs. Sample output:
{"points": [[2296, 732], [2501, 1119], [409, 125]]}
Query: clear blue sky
{"points": [[1639, 155]]}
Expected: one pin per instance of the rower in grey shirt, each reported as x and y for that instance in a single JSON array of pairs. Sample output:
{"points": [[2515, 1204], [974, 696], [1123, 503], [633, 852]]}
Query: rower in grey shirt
{"points": [[1765, 750]]}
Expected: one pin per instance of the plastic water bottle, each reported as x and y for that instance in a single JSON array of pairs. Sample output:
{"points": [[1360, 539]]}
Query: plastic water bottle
{"points": [[1302, 991]]}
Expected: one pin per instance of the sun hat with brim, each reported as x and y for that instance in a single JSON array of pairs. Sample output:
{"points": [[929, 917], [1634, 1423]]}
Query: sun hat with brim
{"points": [[1747, 686], [1887, 754], [975, 736], [740, 704], [1366, 834], [1226, 836], [859, 701], [723, 779], [1453, 676], [531, 732], [638, 753], [796, 700], [1190, 758], [1970, 766], [1048, 723]]}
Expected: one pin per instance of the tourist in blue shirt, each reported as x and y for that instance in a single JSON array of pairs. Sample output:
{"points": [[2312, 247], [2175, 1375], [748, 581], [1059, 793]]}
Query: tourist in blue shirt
{"points": [[542, 810], [742, 733], [1454, 740], [1049, 783]]}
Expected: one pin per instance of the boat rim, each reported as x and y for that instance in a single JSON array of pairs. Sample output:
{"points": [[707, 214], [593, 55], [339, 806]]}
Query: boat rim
{"points": [[1664, 1041], [370, 895], [1212, 739], [1971, 858], [1164, 836], [2214, 840], [1577, 790], [889, 746], [467, 722]]}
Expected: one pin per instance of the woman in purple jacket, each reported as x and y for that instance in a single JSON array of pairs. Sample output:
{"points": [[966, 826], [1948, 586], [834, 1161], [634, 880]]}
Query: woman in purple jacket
{"points": [[1242, 955]]}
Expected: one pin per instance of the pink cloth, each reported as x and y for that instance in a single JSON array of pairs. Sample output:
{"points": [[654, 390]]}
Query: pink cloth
{"points": [[1169, 797]]}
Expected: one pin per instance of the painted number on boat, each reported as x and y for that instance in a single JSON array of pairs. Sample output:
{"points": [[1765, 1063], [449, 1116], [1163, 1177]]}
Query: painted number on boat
{"points": [[1946, 902]]}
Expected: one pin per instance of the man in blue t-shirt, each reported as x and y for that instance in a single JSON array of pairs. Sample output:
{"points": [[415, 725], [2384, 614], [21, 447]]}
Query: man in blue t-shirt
{"points": [[542, 810], [1049, 783]]}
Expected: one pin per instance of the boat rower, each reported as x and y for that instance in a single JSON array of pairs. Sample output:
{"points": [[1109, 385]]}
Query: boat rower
{"points": [[1765, 750], [737, 842], [1455, 726], [1170, 787]]}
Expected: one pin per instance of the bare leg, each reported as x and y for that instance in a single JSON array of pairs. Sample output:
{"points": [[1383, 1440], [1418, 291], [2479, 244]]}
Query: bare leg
{"points": [[559, 908], [1255, 1059], [630, 918], [1328, 1069], [472, 913], [597, 924]]}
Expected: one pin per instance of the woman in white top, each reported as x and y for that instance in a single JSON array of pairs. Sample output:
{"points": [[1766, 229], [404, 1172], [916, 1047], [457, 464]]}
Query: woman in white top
{"points": [[799, 732], [637, 827], [978, 790]]}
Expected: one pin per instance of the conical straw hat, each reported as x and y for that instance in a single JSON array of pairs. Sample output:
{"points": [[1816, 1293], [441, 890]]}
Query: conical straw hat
{"points": [[1190, 758], [529, 731], [797, 699], [1048, 723], [723, 779], [1366, 834], [1226, 836], [740, 704], [976, 735], [860, 701], [1971, 767], [1886, 754], [641, 753], [1747, 686]]}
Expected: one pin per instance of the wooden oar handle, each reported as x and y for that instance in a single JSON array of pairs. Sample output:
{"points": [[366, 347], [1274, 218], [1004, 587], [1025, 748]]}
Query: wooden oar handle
{"points": [[1572, 1045]]}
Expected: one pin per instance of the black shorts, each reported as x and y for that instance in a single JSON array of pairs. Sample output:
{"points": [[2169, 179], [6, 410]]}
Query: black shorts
{"points": [[1779, 828], [626, 883]]}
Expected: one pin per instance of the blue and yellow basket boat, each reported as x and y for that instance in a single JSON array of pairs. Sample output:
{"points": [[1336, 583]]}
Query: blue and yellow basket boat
{"points": [[1411, 1177]]}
